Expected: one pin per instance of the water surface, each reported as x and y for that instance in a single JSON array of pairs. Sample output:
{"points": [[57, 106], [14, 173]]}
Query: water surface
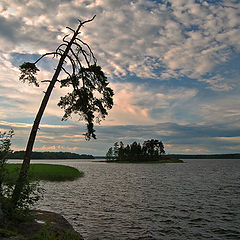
{"points": [[195, 200]]}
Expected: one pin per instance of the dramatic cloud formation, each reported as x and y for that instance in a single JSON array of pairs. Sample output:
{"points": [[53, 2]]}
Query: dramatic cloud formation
{"points": [[174, 66]]}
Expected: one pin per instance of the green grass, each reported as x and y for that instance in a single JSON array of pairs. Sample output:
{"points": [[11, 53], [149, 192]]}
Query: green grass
{"points": [[47, 172]]}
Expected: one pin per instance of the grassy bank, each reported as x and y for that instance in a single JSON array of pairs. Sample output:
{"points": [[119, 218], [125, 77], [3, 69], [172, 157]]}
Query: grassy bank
{"points": [[48, 172]]}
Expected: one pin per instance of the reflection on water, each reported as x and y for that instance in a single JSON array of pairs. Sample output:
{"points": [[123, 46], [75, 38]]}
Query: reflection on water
{"points": [[195, 200]]}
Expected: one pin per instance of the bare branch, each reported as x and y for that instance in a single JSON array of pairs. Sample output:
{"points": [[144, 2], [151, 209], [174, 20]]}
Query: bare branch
{"points": [[76, 57], [90, 50], [85, 56], [45, 81], [61, 45], [73, 64], [44, 55], [66, 72], [83, 52], [60, 51], [71, 29], [82, 23], [65, 38]]}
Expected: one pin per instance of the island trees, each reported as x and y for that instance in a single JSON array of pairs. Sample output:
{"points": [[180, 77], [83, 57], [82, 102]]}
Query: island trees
{"points": [[153, 147], [90, 96], [150, 150]]}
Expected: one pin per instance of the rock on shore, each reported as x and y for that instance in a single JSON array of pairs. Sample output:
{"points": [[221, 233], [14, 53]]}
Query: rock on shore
{"points": [[55, 222]]}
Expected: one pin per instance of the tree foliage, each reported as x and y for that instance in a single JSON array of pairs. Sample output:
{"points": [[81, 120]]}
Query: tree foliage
{"points": [[109, 154], [83, 100], [28, 73]]}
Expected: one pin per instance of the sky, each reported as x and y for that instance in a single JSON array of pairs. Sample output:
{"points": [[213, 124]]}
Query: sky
{"points": [[173, 65]]}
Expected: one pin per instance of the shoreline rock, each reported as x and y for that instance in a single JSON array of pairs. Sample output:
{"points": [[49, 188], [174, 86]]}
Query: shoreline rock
{"points": [[52, 222]]}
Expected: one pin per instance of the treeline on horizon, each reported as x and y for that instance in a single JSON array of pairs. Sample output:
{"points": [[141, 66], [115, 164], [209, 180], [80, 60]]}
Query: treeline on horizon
{"points": [[207, 156], [50, 155]]}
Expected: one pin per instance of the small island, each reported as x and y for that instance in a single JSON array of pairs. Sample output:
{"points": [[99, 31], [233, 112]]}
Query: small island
{"points": [[151, 151]]}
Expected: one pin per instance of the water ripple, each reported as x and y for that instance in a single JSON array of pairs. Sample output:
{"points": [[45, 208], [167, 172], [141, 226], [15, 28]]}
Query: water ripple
{"points": [[195, 200]]}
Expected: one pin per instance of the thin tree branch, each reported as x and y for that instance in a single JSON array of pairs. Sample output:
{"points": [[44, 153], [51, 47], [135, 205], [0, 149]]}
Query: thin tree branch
{"points": [[61, 45], [60, 51], [65, 37], [45, 81], [82, 23], [44, 55], [90, 50], [84, 53], [85, 56], [71, 29], [73, 64], [76, 57], [66, 72], [81, 50]]}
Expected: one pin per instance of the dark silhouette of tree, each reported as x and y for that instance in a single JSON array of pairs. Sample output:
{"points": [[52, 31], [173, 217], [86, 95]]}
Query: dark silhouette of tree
{"points": [[161, 148], [109, 154], [153, 147], [90, 92], [127, 151], [115, 149], [121, 151]]}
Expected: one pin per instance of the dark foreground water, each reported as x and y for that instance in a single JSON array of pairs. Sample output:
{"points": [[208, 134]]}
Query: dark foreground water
{"points": [[199, 199]]}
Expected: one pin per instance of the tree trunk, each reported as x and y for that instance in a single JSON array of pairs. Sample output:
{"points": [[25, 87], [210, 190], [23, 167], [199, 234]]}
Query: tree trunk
{"points": [[27, 157]]}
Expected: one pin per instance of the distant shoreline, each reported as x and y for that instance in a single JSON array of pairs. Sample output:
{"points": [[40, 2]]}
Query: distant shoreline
{"points": [[50, 155], [206, 156], [195, 156]]}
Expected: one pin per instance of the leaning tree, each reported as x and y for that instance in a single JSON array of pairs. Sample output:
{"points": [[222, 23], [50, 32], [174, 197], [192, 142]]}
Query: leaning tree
{"points": [[90, 96]]}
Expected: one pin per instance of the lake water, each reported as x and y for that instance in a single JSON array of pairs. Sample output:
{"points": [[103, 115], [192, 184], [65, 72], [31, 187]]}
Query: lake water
{"points": [[199, 199]]}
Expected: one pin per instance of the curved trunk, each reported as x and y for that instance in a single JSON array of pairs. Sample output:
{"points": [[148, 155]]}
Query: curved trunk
{"points": [[26, 161]]}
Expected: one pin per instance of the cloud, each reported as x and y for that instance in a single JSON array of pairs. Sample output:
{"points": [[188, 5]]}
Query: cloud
{"points": [[221, 110], [230, 139], [137, 37], [56, 148], [217, 83], [140, 104]]}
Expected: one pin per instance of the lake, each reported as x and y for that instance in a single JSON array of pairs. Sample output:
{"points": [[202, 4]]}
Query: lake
{"points": [[199, 199]]}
